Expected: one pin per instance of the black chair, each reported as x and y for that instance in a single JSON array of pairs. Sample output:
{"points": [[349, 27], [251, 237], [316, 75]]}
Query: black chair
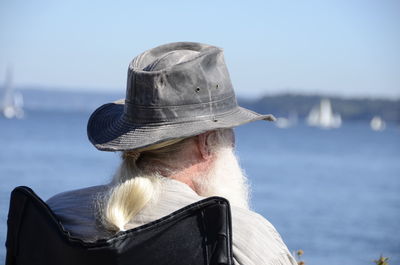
{"points": [[198, 234]]}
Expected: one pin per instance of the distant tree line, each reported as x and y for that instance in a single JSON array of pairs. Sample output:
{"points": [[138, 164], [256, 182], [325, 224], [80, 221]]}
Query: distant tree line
{"points": [[279, 105], [349, 109]]}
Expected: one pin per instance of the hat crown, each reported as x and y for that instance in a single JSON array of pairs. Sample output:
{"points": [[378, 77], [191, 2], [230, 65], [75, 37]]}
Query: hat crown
{"points": [[173, 91], [171, 58], [177, 81]]}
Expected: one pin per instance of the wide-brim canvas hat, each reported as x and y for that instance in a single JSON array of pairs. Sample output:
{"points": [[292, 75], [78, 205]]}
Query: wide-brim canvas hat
{"points": [[173, 91]]}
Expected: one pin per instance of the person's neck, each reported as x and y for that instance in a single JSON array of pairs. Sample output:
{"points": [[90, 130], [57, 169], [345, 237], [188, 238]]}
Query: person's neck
{"points": [[188, 174]]}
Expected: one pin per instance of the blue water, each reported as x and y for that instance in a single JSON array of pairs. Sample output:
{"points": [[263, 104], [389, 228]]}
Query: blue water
{"points": [[333, 193]]}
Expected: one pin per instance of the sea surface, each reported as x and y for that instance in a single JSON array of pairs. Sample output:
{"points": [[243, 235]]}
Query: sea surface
{"points": [[333, 193]]}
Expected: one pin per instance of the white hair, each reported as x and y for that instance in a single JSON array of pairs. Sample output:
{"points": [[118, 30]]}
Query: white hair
{"points": [[225, 178], [137, 181]]}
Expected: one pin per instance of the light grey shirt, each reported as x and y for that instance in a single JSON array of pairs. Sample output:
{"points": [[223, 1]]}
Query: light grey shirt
{"points": [[255, 240]]}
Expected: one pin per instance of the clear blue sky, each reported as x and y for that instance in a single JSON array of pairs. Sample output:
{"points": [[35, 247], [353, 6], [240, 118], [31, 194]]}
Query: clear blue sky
{"points": [[345, 47]]}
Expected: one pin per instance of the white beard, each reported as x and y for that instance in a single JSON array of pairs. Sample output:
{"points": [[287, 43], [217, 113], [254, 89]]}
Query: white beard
{"points": [[225, 179]]}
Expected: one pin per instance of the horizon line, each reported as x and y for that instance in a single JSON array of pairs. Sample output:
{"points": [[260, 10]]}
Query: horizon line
{"points": [[253, 96]]}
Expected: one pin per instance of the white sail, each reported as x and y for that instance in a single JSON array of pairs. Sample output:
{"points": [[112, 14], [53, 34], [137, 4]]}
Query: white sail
{"points": [[322, 116], [377, 124], [12, 102], [291, 120]]}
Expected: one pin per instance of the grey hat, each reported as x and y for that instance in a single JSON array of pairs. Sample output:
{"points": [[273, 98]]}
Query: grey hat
{"points": [[173, 91]]}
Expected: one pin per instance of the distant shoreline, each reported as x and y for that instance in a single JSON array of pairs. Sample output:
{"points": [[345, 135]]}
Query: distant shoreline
{"points": [[349, 108], [282, 105]]}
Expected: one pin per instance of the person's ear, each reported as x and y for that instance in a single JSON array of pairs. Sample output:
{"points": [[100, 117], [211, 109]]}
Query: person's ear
{"points": [[205, 142]]}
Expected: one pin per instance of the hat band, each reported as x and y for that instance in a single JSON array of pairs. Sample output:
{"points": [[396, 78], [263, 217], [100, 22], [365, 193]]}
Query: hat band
{"points": [[145, 114]]}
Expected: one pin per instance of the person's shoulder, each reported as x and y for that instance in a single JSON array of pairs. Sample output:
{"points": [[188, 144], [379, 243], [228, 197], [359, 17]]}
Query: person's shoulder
{"points": [[250, 220], [250, 217], [253, 234]]}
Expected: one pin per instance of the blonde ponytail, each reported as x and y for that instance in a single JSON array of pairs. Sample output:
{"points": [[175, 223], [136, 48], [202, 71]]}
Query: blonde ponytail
{"points": [[133, 186], [126, 200]]}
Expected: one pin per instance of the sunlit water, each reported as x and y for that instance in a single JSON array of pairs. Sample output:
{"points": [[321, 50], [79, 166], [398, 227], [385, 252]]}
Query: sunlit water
{"points": [[333, 193]]}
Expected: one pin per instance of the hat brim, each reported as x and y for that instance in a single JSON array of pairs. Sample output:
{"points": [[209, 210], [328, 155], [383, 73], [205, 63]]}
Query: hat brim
{"points": [[109, 130]]}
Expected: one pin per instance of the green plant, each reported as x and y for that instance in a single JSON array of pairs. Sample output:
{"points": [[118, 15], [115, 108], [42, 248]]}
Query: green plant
{"points": [[382, 261], [298, 255]]}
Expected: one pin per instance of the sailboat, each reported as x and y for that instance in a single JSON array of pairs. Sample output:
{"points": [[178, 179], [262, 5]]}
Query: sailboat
{"points": [[322, 116], [290, 121], [12, 102], [377, 124]]}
